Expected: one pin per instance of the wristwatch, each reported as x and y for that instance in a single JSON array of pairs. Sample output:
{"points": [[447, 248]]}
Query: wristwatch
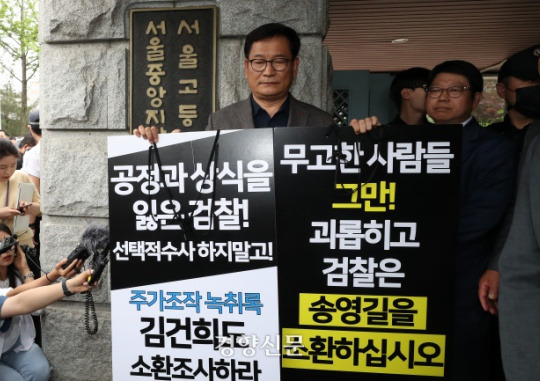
{"points": [[65, 289], [29, 275]]}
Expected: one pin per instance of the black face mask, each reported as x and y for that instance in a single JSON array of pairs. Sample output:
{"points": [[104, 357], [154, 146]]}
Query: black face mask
{"points": [[528, 101]]}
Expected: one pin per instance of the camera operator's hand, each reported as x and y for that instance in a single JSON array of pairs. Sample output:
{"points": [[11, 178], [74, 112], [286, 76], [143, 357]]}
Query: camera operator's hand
{"points": [[7, 213], [48, 279], [20, 262], [68, 272], [33, 299], [79, 283]]}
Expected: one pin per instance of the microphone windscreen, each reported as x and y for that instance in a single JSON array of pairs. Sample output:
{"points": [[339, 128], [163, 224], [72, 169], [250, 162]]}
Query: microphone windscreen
{"points": [[95, 238]]}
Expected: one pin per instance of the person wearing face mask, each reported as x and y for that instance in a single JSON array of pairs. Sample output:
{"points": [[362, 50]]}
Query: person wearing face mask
{"points": [[518, 83], [519, 86], [519, 263]]}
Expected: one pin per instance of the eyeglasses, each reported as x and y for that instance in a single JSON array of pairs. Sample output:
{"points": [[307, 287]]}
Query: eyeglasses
{"points": [[452, 91], [278, 64]]}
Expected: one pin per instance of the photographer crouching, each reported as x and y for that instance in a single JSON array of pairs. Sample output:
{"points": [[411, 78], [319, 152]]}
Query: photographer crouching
{"points": [[20, 294]]}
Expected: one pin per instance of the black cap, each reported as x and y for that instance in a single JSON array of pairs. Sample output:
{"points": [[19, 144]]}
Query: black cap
{"points": [[33, 118], [522, 65]]}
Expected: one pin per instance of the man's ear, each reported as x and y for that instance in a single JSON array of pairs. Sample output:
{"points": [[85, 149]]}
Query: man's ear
{"points": [[500, 90], [405, 93], [246, 67], [476, 100], [296, 64]]}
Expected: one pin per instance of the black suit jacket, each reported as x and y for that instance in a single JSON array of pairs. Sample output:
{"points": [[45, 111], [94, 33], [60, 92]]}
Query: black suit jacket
{"points": [[488, 172]]}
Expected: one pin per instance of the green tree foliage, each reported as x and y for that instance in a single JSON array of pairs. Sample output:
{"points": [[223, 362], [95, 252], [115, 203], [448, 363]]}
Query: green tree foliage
{"points": [[491, 108], [10, 104], [19, 44]]}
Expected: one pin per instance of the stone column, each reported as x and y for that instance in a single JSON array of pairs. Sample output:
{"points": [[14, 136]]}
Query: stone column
{"points": [[84, 92]]}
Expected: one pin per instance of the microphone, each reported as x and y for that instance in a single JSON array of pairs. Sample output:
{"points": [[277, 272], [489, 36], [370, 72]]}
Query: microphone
{"points": [[99, 261], [95, 238]]}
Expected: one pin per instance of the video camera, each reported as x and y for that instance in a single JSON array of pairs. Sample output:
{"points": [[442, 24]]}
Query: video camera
{"points": [[7, 243], [95, 242], [31, 253]]}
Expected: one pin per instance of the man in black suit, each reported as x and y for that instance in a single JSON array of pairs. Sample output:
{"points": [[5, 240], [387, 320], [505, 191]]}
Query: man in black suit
{"points": [[519, 244], [517, 82], [487, 182], [488, 167]]}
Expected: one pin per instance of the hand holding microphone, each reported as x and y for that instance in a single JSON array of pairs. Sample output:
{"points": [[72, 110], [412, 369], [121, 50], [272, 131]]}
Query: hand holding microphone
{"points": [[95, 242]]}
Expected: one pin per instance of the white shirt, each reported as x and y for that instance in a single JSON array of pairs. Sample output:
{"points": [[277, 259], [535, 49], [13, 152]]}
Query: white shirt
{"points": [[464, 123], [21, 329], [31, 162]]}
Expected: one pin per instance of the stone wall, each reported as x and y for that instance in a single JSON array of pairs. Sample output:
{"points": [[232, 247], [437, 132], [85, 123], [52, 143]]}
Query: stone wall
{"points": [[84, 91]]}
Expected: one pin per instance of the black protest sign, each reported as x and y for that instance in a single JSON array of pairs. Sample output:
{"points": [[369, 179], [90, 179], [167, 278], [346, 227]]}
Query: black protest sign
{"points": [[150, 244], [193, 267], [350, 238], [366, 251]]}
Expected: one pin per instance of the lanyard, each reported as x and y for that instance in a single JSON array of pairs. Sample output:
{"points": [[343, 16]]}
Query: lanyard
{"points": [[7, 192], [7, 198]]}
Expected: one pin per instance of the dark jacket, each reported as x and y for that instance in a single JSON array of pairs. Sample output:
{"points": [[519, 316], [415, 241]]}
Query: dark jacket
{"points": [[488, 172], [239, 116]]}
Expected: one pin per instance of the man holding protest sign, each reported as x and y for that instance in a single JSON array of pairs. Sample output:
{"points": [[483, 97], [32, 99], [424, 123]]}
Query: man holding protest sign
{"points": [[271, 64]]}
